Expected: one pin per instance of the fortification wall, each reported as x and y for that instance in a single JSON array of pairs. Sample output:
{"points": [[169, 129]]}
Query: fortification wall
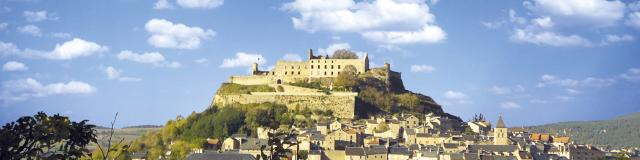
{"points": [[341, 103]]}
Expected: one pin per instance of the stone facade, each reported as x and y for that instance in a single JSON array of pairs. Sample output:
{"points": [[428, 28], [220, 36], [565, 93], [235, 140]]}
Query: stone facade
{"points": [[293, 71]]}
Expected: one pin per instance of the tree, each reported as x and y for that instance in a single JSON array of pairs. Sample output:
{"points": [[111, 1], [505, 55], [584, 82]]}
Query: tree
{"points": [[344, 54], [348, 78], [45, 137], [411, 101]]}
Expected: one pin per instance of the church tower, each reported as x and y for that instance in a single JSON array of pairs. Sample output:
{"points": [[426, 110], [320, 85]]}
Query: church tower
{"points": [[500, 133]]}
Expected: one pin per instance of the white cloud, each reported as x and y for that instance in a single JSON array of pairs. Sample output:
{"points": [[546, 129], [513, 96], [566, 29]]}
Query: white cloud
{"points": [[333, 48], [23, 89], [548, 38], [8, 48], [382, 21], [634, 20], [453, 95], [61, 35], [30, 30], [14, 66], [510, 105], [75, 48], [162, 4], [547, 80], [500, 90], [428, 34], [612, 38], [37, 16], [166, 34], [3, 25], [573, 91], [538, 101], [422, 68], [632, 74], [544, 22], [200, 3], [115, 74], [580, 12], [292, 57], [154, 58], [201, 61], [243, 59]]}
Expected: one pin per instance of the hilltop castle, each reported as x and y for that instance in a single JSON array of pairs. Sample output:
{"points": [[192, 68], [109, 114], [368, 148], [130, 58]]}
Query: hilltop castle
{"points": [[294, 71], [315, 69]]}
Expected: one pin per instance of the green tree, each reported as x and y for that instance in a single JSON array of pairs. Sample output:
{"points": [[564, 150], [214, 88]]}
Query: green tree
{"points": [[45, 137], [348, 78]]}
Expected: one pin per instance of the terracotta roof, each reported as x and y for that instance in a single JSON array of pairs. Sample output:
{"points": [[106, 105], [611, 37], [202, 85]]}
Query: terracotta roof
{"points": [[561, 139]]}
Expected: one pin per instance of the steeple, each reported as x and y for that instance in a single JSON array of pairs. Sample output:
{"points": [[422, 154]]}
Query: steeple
{"points": [[500, 123]]}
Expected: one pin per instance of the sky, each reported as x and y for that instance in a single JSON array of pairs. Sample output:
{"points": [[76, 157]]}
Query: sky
{"points": [[533, 61]]}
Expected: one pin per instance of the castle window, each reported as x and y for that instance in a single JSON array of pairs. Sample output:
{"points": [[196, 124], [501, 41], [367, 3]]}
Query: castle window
{"points": [[292, 67], [291, 72], [338, 66], [332, 73], [285, 73], [325, 66], [318, 66], [325, 73], [311, 66], [331, 66], [298, 72]]}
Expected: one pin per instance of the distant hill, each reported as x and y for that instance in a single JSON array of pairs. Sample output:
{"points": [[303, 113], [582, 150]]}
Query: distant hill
{"points": [[623, 131]]}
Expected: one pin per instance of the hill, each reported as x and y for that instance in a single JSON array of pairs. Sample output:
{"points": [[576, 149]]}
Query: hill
{"points": [[623, 131]]}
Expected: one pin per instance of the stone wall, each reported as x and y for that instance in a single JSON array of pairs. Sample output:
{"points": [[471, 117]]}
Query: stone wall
{"points": [[341, 103]]}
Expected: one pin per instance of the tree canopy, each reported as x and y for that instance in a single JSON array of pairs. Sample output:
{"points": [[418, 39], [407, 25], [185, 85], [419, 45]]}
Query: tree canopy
{"points": [[45, 137], [344, 54]]}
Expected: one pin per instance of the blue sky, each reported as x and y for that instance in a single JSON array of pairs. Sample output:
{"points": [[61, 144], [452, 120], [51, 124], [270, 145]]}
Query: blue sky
{"points": [[534, 62]]}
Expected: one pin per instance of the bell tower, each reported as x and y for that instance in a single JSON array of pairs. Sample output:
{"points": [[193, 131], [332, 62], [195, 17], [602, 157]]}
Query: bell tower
{"points": [[500, 133]]}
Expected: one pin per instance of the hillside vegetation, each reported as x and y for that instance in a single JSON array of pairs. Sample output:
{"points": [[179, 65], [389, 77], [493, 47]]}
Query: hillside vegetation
{"points": [[622, 131]]}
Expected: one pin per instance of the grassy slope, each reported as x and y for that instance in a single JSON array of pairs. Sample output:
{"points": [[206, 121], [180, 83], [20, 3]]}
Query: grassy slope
{"points": [[622, 131], [129, 134]]}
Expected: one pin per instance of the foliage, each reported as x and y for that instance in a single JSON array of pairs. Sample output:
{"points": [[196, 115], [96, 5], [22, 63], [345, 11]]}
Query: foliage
{"points": [[409, 100], [45, 137], [344, 54], [232, 88], [276, 144], [348, 78], [377, 98], [382, 127], [617, 132], [187, 133]]}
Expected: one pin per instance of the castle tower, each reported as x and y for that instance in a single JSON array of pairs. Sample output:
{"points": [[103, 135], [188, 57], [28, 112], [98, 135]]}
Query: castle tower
{"points": [[500, 133], [366, 61], [310, 53], [254, 68], [387, 66]]}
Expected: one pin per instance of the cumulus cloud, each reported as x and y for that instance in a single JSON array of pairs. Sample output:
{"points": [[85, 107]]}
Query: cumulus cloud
{"points": [[632, 74], [548, 38], [633, 20], [509, 105], [580, 12], [61, 35], [292, 57], [30, 30], [37, 16], [68, 50], [75, 48], [612, 38], [162, 4], [115, 74], [422, 68], [166, 34], [559, 23], [3, 25], [8, 48], [201, 61], [14, 66], [23, 89], [551, 80], [243, 59], [500, 90], [206, 4], [153, 58], [382, 21], [455, 97]]}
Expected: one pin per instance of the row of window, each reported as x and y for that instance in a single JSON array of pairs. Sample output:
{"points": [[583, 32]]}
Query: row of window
{"points": [[318, 73], [312, 67]]}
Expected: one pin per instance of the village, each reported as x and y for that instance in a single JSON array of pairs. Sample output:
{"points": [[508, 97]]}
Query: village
{"points": [[408, 137]]}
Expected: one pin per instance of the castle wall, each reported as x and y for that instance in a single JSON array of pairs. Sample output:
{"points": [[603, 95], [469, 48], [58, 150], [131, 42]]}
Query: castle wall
{"points": [[341, 103]]}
